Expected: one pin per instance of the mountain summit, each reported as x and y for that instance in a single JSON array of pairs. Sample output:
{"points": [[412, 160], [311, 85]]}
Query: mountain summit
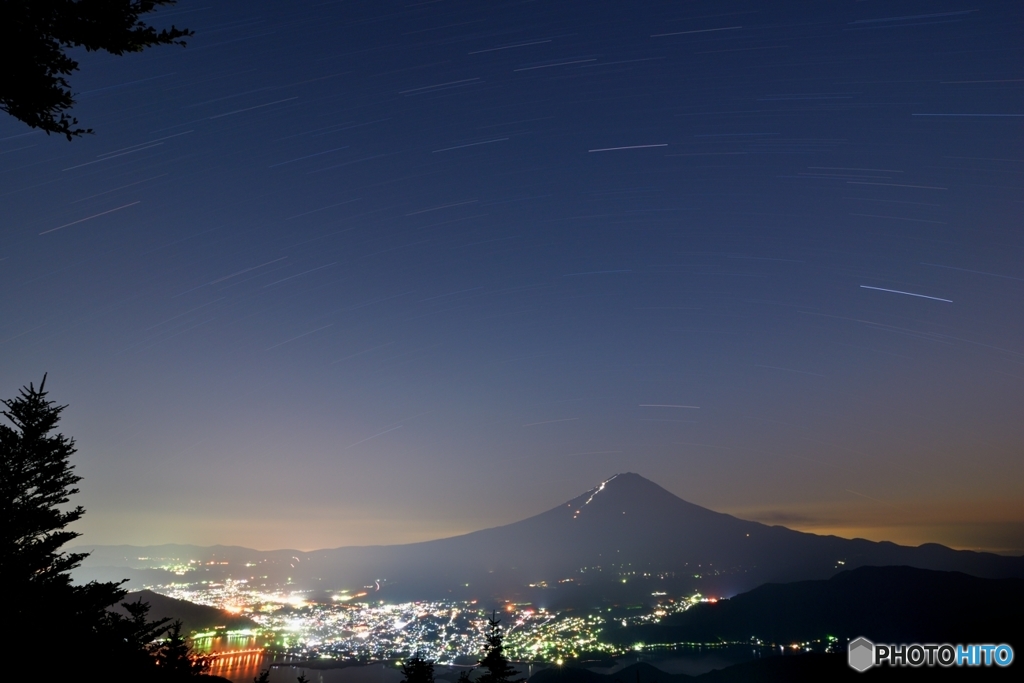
{"points": [[622, 540], [631, 537]]}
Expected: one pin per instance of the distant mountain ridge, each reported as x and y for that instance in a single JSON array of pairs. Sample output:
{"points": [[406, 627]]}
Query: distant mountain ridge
{"points": [[801, 668], [193, 617], [886, 604], [621, 540]]}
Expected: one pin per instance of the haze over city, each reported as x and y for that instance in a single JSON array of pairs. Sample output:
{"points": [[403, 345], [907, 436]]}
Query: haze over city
{"points": [[366, 273]]}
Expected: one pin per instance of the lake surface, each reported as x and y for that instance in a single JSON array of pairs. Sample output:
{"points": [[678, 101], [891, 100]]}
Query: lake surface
{"points": [[242, 667]]}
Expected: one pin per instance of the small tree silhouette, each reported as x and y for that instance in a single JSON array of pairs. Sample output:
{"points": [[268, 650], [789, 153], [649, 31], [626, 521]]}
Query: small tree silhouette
{"points": [[132, 637], [175, 658], [498, 669], [417, 669]]}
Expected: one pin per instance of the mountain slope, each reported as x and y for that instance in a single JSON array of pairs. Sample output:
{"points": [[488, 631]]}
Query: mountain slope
{"points": [[193, 617], [631, 529], [620, 541], [885, 604], [801, 668]]}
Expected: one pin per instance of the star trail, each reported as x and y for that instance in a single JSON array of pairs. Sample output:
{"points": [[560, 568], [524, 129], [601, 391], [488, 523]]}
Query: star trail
{"points": [[372, 272]]}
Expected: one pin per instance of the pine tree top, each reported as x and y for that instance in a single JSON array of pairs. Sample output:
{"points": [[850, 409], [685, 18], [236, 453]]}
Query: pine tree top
{"points": [[36, 478], [497, 667]]}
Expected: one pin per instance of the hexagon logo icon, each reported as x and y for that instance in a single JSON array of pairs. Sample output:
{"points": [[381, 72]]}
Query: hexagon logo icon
{"points": [[861, 654]]}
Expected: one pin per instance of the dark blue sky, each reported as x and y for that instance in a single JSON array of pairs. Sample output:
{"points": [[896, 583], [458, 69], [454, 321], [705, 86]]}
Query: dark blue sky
{"points": [[367, 272]]}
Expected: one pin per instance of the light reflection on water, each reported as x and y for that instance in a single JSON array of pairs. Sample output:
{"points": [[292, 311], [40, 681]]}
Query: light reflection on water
{"points": [[240, 658], [235, 657], [245, 668], [241, 667], [229, 643]]}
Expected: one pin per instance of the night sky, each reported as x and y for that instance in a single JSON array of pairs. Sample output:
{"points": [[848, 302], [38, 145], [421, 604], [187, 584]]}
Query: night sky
{"points": [[373, 272]]}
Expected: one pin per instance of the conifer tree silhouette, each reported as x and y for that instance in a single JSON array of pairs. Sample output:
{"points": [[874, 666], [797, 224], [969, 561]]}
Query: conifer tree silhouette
{"points": [[496, 664], [36, 483], [417, 669], [175, 659]]}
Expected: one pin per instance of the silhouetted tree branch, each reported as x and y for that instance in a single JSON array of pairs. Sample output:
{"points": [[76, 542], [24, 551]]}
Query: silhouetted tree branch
{"points": [[35, 36]]}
